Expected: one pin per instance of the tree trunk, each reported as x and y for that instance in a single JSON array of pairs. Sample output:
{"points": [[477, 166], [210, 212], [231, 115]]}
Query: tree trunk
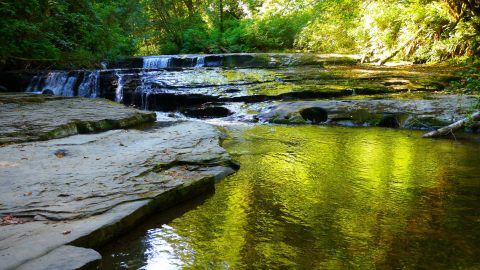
{"points": [[453, 127]]}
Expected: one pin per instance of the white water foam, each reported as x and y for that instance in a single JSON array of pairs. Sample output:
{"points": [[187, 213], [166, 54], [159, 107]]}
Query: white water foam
{"points": [[90, 85], [200, 61], [119, 89], [152, 62], [59, 82]]}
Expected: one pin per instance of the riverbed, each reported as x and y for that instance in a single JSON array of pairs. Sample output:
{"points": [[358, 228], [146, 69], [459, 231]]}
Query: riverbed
{"points": [[333, 172], [310, 197]]}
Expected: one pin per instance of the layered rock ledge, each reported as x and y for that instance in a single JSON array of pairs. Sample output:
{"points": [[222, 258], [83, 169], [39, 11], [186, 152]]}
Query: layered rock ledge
{"points": [[62, 197], [30, 117], [428, 112]]}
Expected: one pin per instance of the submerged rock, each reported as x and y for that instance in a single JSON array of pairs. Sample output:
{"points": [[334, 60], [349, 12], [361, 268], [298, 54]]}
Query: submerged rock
{"points": [[48, 92]]}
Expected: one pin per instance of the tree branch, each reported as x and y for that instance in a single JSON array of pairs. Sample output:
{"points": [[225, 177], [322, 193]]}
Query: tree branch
{"points": [[453, 127]]}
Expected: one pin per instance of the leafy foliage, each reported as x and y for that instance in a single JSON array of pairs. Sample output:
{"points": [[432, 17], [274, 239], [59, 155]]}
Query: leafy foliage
{"points": [[83, 31], [59, 30]]}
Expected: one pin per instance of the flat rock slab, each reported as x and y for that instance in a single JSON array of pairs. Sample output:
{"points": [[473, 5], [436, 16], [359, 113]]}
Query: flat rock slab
{"points": [[68, 190], [30, 117], [66, 258], [431, 112], [86, 175]]}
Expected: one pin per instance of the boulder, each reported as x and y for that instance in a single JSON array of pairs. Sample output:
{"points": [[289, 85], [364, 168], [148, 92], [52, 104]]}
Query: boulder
{"points": [[315, 115]]}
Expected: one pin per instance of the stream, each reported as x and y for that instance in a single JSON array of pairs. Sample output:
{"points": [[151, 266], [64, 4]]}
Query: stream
{"points": [[309, 197], [306, 196]]}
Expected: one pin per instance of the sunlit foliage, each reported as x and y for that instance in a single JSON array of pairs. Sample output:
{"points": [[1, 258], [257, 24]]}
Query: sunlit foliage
{"points": [[414, 30]]}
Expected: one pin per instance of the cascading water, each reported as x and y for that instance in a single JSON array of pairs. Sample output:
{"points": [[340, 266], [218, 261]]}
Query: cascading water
{"points": [[89, 87], [145, 88], [63, 83], [153, 62], [67, 89], [143, 81], [60, 83], [200, 61], [56, 82], [35, 84], [119, 89]]}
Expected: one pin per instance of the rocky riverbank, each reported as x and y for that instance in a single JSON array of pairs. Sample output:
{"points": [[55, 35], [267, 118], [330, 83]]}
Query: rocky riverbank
{"points": [[69, 193]]}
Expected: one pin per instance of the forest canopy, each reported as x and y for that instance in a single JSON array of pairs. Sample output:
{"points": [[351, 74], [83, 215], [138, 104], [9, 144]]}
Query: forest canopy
{"points": [[81, 31]]}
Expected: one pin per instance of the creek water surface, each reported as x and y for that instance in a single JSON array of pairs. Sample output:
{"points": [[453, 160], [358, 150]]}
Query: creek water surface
{"points": [[310, 197]]}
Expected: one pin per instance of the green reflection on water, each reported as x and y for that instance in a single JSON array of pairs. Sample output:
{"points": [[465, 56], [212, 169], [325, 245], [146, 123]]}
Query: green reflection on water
{"points": [[331, 198]]}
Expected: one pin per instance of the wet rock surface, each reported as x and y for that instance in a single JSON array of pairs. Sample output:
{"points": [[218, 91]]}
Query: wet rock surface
{"points": [[173, 83], [29, 117], [432, 111]]}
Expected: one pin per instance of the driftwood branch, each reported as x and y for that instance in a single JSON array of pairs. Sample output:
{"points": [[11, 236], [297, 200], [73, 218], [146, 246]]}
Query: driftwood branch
{"points": [[453, 127]]}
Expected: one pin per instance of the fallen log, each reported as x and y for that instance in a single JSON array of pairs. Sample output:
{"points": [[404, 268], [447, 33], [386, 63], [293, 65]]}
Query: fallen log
{"points": [[453, 127]]}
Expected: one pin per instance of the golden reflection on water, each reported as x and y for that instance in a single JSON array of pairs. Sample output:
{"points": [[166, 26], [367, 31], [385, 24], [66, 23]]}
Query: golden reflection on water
{"points": [[311, 197]]}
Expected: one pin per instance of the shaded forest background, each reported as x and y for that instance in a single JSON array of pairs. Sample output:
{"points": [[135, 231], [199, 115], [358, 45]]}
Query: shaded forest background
{"points": [[83, 32]]}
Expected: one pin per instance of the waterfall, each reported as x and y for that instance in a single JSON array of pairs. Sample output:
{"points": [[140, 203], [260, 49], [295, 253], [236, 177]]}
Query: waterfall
{"points": [[35, 84], [200, 61], [144, 88], [67, 89], [89, 87], [63, 83], [59, 82], [55, 82], [156, 62], [119, 89]]}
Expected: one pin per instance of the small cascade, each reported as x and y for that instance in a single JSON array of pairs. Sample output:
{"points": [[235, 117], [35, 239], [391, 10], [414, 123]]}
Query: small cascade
{"points": [[89, 87], [67, 89], [200, 61], [119, 89], [56, 82], [59, 82], [63, 83], [35, 84], [153, 62], [144, 89]]}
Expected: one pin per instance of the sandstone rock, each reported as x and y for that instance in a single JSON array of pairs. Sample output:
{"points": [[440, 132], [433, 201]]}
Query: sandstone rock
{"points": [[29, 117], [96, 186], [432, 112], [66, 258], [81, 176]]}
